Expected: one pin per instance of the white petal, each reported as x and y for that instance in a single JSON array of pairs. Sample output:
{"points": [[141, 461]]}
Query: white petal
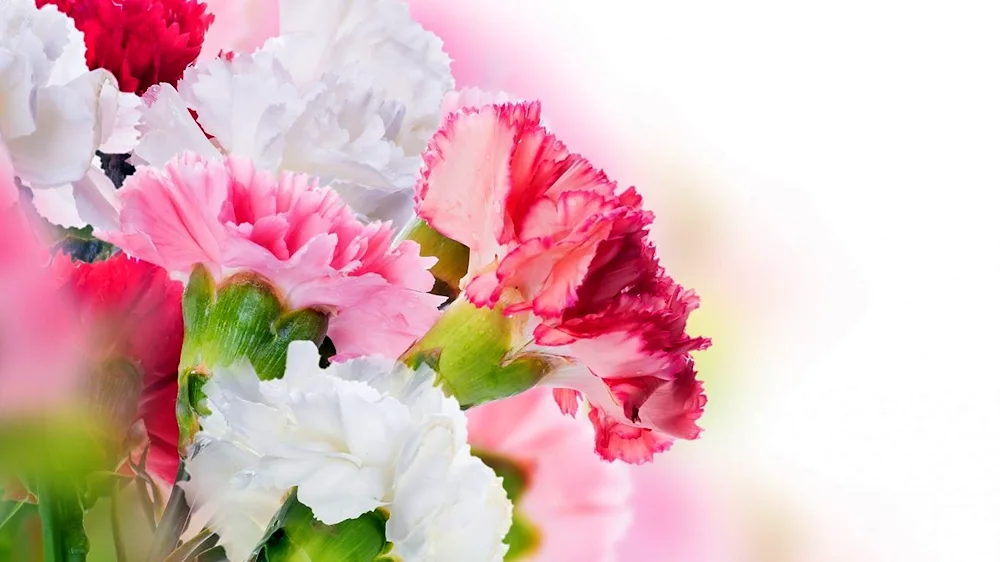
{"points": [[120, 115], [61, 147], [247, 104], [16, 116], [222, 493], [97, 201], [343, 492], [58, 206], [167, 129], [375, 42]]}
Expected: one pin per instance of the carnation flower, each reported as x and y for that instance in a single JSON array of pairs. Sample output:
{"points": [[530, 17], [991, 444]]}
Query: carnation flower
{"points": [[54, 114], [351, 438], [50, 107], [568, 504], [562, 242], [130, 312], [301, 237], [372, 42], [346, 134], [141, 42]]}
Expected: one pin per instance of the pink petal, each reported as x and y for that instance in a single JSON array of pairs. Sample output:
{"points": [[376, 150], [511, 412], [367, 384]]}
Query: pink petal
{"points": [[568, 400], [467, 177], [619, 441], [170, 218], [371, 316]]}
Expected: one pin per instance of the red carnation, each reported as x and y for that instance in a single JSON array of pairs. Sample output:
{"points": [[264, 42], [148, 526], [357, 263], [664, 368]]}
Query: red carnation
{"points": [[141, 42], [130, 311]]}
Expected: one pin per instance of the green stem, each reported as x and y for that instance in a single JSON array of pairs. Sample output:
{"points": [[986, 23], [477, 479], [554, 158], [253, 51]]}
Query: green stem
{"points": [[63, 536], [12, 513], [116, 527]]}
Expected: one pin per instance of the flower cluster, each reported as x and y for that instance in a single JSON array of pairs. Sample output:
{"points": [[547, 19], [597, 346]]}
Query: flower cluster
{"points": [[300, 236], [270, 283]]}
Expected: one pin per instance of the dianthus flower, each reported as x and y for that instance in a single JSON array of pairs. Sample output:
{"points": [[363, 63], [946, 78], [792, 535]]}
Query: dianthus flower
{"points": [[141, 42], [554, 242], [230, 217]]}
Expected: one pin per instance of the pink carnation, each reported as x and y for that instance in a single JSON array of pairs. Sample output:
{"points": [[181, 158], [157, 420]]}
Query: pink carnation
{"points": [[579, 506], [231, 217], [560, 240]]}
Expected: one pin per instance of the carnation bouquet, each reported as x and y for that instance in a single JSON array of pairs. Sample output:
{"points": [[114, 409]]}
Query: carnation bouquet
{"points": [[273, 290]]}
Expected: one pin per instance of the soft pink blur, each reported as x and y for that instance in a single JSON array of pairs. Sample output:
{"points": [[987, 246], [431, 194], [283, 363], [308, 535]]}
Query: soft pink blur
{"points": [[240, 26], [751, 269], [580, 504], [39, 367]]}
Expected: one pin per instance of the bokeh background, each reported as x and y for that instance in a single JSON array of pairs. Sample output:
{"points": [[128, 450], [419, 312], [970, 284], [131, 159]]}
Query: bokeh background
{"points": [[825, 175]]}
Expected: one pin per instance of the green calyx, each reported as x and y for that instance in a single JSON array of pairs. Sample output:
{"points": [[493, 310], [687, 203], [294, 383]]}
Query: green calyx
{"points": [[295, 535], [523, 538], [474, 352], [452, 256], [244, 317]]}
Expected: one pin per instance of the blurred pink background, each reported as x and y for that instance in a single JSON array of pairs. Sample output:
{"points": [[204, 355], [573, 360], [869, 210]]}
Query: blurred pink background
{"points": [[824, 176]]}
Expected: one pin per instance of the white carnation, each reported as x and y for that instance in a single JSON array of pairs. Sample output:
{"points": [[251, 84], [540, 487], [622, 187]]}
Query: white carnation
{"points": [[343, 132], [374, 42], [353, 437], [54, 112]]}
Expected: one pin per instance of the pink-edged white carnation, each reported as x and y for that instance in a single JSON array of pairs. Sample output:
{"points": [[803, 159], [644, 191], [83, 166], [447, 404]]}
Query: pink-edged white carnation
{"points": [[231, 217], [573, 506], [559, 240]]}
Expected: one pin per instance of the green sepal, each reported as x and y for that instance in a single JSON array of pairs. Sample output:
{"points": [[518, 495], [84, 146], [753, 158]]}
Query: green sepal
{"points": [[473, 350], [452, 256], [295, 535], [244, 317]]}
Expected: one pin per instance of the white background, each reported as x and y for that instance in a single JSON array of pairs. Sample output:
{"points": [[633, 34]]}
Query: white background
{"points": [[848, 153]]}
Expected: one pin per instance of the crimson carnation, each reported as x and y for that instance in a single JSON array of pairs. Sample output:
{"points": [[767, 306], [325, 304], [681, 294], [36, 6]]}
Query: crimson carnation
{"points": [[130, 311], [141, 42]]}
